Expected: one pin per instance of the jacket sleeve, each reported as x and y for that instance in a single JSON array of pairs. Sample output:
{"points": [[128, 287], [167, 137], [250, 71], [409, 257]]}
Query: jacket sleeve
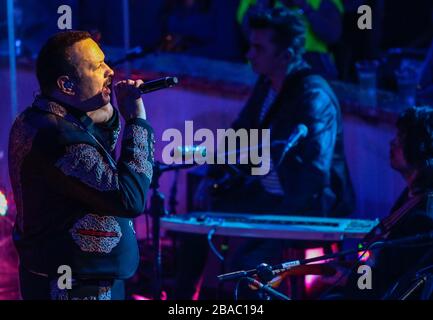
{"points": [[83, 173], [305, 172]]}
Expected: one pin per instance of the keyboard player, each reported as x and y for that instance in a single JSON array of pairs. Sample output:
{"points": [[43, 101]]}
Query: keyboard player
{"points": [[313, 178]]}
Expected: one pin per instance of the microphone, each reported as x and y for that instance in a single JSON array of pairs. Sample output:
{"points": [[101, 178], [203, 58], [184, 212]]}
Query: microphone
{"points": [[158, 84], [420, 237], [300, 132], [190, 151]]}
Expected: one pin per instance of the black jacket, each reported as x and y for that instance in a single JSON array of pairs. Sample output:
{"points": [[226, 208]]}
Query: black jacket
{"points": [[75, 204], [314, 176]]}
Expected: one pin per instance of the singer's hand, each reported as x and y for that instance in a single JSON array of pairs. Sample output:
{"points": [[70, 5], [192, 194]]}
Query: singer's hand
{"points": [[129, 99]]}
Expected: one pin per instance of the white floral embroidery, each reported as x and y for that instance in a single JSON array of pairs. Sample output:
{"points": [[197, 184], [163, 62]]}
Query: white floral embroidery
{"points": [[50, 106], [57, 109], [104, 293], [142, 158], [96, 233], [56, 293], [115, 136], [152, 146], [84, 162]]}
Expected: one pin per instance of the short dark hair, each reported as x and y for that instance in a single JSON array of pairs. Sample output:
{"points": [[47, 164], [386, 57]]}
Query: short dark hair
{"points": [[53, 60], [288, 26], [415, 126]]}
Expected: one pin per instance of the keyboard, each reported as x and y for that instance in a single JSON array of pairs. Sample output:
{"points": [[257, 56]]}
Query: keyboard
{"points": [[269, 226]]}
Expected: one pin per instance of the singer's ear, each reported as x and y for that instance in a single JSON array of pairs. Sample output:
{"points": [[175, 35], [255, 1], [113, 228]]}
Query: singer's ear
{"points": [[66, 85]]}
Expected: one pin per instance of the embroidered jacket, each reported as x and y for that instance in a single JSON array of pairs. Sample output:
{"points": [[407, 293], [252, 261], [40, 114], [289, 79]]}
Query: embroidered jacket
{"points": [[75, 204]]}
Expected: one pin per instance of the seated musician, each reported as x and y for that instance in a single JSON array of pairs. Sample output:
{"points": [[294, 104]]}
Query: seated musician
{"points": [[412, 156], [313, 179]]}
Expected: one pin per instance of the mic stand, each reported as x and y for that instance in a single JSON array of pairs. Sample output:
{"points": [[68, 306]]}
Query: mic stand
{"points": [[157, 211], [172, 202], [266, 273], [268, 289], [285, 266], [425, 280]]}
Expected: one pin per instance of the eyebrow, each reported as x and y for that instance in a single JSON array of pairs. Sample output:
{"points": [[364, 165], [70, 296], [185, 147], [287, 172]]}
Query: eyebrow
{"points": [[97, 63]]}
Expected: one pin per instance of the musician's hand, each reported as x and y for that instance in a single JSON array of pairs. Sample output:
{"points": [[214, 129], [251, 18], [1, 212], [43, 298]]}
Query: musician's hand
{"points": [[101, 115], [129, 100]]}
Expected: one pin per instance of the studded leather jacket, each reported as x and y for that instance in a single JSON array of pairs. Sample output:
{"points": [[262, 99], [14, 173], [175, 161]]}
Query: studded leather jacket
{"points": [[75, 203]]}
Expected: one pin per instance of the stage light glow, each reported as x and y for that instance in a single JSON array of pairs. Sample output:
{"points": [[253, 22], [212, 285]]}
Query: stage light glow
{"points": [[363, 256], [312, 253], [3, 204]]}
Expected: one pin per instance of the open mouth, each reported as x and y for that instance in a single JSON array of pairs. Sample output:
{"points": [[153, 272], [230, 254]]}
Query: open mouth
{"points": [[106, 90]]}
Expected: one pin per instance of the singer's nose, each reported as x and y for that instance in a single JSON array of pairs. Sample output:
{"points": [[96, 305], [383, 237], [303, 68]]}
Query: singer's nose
{"points": [[109, 72]]}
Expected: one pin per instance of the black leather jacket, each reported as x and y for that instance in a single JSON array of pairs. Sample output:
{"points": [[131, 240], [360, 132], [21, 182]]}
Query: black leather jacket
{"points": [[314, 176]]}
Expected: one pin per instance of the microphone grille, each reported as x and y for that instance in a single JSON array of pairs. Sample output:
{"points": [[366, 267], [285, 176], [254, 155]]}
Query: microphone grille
{"points": [[303, 130], [172, 81]]}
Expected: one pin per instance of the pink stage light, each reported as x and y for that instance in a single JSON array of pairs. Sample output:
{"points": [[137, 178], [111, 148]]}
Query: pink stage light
{"points": [[312, 253], [3, 204], [143, 298]]}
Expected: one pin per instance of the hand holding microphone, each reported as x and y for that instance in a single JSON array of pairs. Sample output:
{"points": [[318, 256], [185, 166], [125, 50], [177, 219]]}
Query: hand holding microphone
{"points": [[128, 94], [158, 84], [129, 101]]}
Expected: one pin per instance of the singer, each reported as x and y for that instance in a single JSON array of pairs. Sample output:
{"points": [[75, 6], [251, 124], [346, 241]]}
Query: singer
{"points": [[75, 203], [312, 178]]}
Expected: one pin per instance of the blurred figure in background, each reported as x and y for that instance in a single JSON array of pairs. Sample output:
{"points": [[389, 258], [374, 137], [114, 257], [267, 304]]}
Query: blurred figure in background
{"points": [[203, 27], [356, 44], [323, 19]]}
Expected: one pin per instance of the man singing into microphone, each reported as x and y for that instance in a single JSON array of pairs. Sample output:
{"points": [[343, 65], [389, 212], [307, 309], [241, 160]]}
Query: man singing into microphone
{"points": [[312, 179], [75, 203]]}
